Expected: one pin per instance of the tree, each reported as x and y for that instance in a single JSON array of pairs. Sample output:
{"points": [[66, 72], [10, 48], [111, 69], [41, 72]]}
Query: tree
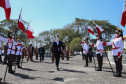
{"points": [[76, 44], [6, 26]]}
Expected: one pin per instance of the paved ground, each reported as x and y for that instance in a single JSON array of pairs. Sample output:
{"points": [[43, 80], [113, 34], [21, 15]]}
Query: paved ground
{"points": [[72, 72]]}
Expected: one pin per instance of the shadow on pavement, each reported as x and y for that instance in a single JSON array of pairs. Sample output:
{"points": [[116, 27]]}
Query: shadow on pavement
{"points": [[68, 70], [23, 76], [5, 83], [28, 69], [63, 63], [48, 62], [36, 61], [58, 79], [51, 71]]}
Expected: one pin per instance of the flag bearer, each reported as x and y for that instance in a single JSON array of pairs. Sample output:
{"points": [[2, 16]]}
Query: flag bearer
{"points": [[99, 51], [85, 51], [117, 46]]}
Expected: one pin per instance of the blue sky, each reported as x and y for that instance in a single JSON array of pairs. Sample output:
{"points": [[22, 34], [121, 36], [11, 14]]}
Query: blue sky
{"points": [[51, 14]]}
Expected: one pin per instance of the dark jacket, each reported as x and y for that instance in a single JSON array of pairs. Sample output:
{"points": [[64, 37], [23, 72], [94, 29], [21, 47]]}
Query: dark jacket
{"points": [[56, 49], [41, 50]]}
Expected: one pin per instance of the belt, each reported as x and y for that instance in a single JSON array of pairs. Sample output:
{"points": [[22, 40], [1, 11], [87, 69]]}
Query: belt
{"points": [[115, 48]]}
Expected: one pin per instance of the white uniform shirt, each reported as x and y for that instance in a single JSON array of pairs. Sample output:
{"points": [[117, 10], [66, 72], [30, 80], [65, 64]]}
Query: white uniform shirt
{"points": [[117, 45], [10, 42], [85, 48], [19, 49], [99, 46]]}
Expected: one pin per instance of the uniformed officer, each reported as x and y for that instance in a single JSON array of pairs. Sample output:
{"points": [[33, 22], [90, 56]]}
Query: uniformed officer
{"points": [[19, 52], [99, 52], [11, 49], [85, 50], [117, 46], [67, 51]]}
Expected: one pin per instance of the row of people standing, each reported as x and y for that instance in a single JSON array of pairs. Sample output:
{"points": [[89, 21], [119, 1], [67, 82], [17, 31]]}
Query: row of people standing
{"points": [[117, 47]]}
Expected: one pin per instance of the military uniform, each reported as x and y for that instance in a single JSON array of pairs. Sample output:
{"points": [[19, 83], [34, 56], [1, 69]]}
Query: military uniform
{"points": [[85, 51], [117, 47], [19, 53], [67, 52], [11, 50], [99, 53]]}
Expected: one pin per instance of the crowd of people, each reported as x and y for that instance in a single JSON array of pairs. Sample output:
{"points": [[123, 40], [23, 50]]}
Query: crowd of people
{"points": [[15, 51], [117, 48]]}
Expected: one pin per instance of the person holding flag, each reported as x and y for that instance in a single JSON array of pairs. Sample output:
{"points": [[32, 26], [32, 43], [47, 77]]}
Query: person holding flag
{"points": [[85, 51], [117, 46], [11, 49], [19, 52], [99, 52]]}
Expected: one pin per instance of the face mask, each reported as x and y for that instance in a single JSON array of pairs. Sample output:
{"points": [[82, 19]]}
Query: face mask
{"points": [[57, 39], [12, 36], [116, 35]]}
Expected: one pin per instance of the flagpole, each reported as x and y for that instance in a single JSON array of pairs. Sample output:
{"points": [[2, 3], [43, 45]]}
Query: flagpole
{"points": [[17, 24], [16, 30]]}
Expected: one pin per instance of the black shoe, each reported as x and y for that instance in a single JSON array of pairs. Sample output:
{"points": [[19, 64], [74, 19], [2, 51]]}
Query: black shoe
{"points": [[11, 71], [117, 75], [58, 69], [99, 69], [19, 67], [86, 66]]}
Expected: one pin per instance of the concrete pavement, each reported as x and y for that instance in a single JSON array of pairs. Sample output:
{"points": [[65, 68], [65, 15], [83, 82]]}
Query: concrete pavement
{"points": [[71, 72]]}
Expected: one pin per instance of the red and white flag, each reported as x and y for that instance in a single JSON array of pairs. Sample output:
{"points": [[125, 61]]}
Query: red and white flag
{"points": [[123, 19], [7, 7], [21, 24], [99, 29], [30, 33], [30, 36], [90, 30]]}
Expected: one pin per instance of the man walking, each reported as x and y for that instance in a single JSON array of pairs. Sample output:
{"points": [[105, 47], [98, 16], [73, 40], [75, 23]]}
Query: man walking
{"points": [[56, 50], [41, 52]]}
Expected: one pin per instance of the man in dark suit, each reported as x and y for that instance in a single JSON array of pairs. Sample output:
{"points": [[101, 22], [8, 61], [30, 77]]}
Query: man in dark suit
{"points": [[56, 50], [41, 52]]}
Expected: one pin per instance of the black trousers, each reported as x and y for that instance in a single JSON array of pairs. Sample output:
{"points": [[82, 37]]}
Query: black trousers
{"points": [[5, 58], [100, 60], [57, 59], [86, 58], [41, 56], [10, 60], [90, 56], [18, 60], [0, 58], [118, 62]]}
